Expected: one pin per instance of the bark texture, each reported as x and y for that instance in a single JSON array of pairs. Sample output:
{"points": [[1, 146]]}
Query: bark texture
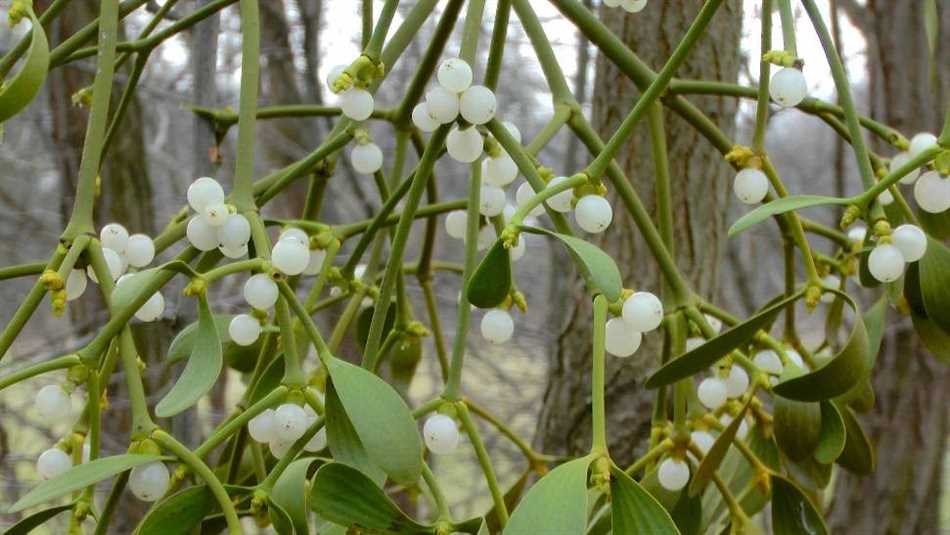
{"points": [[699, 184], [908, 425]]}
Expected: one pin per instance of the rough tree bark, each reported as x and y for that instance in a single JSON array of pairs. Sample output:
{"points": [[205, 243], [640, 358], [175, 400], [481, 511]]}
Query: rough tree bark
{"points": [[908, 425], [699, 184]]}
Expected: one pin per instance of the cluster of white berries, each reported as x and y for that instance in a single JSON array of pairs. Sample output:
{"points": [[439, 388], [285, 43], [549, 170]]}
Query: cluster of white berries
{"points": [[770, 362], [750, 185], [355, 102], [455, 96], [907, 243], [214, 225], [280, 428], [630, 6], [931, 190], [642, 312], [120, 250], [441, 434], [788, 87], [55, 406]]}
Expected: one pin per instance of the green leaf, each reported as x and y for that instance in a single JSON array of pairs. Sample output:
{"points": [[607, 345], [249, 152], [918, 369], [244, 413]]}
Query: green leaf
{"points": [[598, 268], [345, 496], [858, 454], [201, 371], [279, 519], [633, 510], [707, 354], [797, 427], [780, 206], [832, 436], [717, 452], [912, 289], [933, 337], [936, 225], [839, 374], [935, 283], [269, 380], [688, 514], [557, 503], [381, 419], [80, 476], [182, 512], [20, 91], [290, 493], [241, 358], [491, 281], [874, 322], [343, 440], [792, 511], [37, 519]]}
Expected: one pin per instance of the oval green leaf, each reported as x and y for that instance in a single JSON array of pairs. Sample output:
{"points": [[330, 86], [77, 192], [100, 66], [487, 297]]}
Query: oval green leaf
{"points": [[780, 206], [935, 283], [79, 477], [633, 510], [557, 503], [381, 419], [858, 454], [512, 497], [20, 91], [832, 436], [707, 354], [201, 371], [491, 281], [797, 427], [792, 511], [933, 337], [345, 496], [182, 512], [598, 268], [241, 358], [343, 440], [37, 519], [839, 374], [717, 452], [291, 494]]}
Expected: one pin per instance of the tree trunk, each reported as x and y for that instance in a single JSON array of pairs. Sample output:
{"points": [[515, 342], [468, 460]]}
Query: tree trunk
{"points": [[699, 185], [908, 425]]}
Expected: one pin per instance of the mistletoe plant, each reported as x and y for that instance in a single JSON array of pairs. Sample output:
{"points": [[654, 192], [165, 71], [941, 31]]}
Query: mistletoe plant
{"points": [[765, 425]]}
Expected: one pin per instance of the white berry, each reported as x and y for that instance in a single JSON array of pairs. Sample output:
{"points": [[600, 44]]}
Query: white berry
{"points": [[262, 427], [523, 194], [886, 198], [736, 382], [633, 6], [694, 342], [151, 309], [899, 160], [422, 119], [290, 422], [244, 329], [519, 249], [367, 159], [235, 232], [53, 403], [441, 434], [75, 284], [932, 192], [673, 474], [317, 256], [499, 171], [260, 291], [713, 322], [643, 311], [456, 223], [768, 361], [477, 104], [486, 237], [831, 281], [703, 440], [237, 252], [442, 104], [356, 103], [751, 185], [788, 87], [149, 482], [593, 213], [294, 233], [52, 463], [455, 75], [743, 430], [464, 145], [140, 250], [886, 263], [114, 236], [114, 261], [921, 142], [290, 257], [204, 191], [911, 241], [497, 326], [491, 200], [560, 202], [857, 234], [201, 234], [620, 339], [712, 392]]}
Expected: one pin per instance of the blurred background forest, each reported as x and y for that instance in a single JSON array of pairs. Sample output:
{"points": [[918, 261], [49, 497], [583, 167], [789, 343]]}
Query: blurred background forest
{"points": [[532, 382]]}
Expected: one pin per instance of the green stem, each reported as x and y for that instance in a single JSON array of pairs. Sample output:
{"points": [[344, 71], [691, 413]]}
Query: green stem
{"points": [[247, 109], [496, 50], [562, 114], [22, 270], [435, 325], [323, 351], [366, 17], [599, 412], [58, 363], [472, 30], [661, 164], [112, 503], [253, 264], [437, 496], [374, 46], [762, 102], [788, 25], [501, 509]]}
